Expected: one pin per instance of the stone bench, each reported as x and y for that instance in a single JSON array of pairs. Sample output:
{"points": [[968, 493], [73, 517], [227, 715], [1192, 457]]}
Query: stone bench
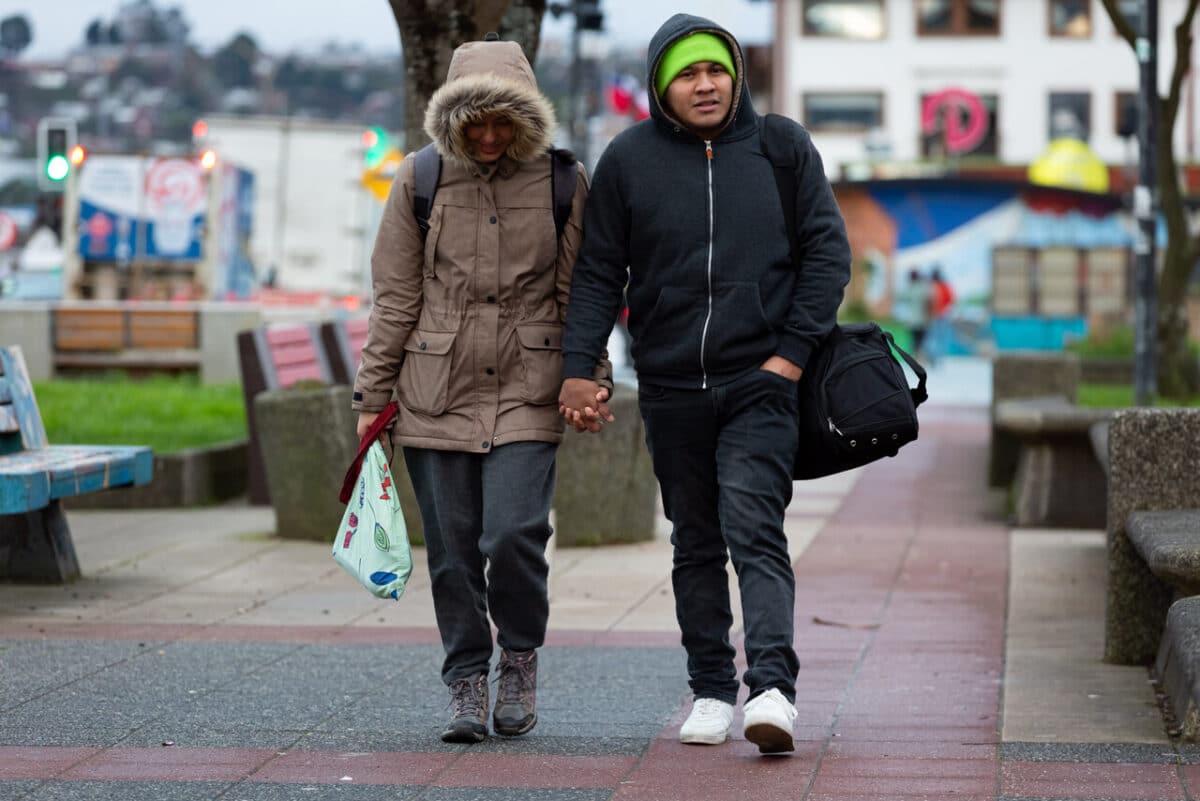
{"points": [[1169, 544], [1025, 374], [1154, 466], [1178, 665], [1058, 480]]}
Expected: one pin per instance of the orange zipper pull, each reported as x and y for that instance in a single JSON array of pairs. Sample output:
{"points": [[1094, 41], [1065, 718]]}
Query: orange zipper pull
{"points": [[708, 149]]}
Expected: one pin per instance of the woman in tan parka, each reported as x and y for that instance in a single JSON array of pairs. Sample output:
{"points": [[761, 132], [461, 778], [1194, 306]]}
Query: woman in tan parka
{"points": [[467, 329]]}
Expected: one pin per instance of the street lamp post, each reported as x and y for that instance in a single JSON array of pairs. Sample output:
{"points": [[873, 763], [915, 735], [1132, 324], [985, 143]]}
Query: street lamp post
{"points": [[1145, 206], [588, 17]]}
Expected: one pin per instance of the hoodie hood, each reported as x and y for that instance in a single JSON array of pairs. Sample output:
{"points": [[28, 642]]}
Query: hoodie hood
{"points": [[741, 111], [489, 78]]}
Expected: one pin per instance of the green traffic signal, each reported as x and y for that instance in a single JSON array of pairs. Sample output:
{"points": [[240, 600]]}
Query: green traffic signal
{"points": [[377, 143], [57, 167]]}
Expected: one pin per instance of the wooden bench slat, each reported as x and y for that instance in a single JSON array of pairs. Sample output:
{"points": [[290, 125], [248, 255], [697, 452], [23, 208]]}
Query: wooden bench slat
{"points": [[31, 479], [176, 359], [24, 492], [9, 424], [162, 329], [89, 329]]}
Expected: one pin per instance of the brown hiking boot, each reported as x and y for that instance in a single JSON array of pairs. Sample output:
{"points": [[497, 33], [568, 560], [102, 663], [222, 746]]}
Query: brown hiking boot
{"points": [[468, 710], [516, 696]]}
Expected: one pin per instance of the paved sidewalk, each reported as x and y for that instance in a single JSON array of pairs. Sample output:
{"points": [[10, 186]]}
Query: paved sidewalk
{"points": [[943, 657]]}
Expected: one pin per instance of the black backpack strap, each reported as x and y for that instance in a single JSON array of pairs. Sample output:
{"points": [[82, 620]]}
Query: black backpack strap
{"points": [[427, 171], [777, 144], [919, 395], [564, 171]]}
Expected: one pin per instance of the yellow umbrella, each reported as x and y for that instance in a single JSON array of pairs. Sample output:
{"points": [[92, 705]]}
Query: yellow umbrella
{"points": [[1071, 164]]}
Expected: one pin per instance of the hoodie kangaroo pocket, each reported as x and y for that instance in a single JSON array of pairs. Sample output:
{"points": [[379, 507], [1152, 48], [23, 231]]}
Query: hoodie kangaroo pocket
{"points": [[425, 377]]}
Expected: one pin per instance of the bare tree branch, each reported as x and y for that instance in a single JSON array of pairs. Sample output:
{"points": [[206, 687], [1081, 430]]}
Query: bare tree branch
{"points": [[1122, 25]]}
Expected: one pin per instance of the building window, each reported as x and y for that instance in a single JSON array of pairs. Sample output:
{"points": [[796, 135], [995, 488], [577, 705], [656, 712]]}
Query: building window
{"points": [[939, 143], [958, 17], [1070, 115], [1071, 19], [843, 111], [845, 19], [1125, 114]]}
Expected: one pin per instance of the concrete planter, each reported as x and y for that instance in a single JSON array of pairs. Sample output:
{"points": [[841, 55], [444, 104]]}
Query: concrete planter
{"points": [[606, 490], [308, 442], [190, 477]]}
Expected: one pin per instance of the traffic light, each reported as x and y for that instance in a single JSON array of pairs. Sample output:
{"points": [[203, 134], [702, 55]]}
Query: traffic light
{"points": [[588, 16], [376, 142], [55, 141]]}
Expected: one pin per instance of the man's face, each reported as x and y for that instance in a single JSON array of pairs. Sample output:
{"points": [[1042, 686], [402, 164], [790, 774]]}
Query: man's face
{"points": [[488, 138], [700, 96]]}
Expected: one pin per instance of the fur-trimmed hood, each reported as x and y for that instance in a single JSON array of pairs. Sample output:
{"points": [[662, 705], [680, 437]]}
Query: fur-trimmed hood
{"points": [[487, 78]]}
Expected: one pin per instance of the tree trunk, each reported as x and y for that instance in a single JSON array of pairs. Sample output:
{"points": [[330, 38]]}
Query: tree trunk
{"points": [[429, 32], [523, 25], [1177, 370]]}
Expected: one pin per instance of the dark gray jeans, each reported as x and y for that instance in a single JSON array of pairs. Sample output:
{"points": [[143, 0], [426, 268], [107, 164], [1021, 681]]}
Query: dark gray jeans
{"points": [[486, 513], [723, 458]]}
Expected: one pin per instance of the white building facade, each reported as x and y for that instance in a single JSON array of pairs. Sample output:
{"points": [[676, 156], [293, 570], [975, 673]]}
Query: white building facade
{"points": [[858, 74]]}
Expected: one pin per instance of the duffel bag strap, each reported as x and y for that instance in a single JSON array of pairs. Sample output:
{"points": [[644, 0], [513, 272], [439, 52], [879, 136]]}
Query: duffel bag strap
{"points": [[919, 395]]}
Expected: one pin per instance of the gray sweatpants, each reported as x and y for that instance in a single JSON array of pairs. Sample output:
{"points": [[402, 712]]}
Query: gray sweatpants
{"points": [[487, 520]]}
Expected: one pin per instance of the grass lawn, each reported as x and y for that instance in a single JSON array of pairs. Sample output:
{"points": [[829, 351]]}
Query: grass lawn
{"points": [[1118, 395], [165, 412]]}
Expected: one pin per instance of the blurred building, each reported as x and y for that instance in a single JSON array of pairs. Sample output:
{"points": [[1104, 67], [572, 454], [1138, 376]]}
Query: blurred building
{"points": [[879, 80]]}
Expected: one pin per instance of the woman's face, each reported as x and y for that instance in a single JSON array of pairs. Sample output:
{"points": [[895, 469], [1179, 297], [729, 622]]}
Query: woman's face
{"points": [[488, 138]]}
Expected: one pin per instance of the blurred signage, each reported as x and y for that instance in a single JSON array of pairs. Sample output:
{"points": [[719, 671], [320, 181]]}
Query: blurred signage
{"points": [[961, 117], [8, 231], [378, 179], [133, 207]]}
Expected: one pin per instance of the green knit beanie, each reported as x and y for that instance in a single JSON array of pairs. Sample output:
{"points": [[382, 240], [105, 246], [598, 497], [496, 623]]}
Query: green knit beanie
{"points": [[689, 50]]}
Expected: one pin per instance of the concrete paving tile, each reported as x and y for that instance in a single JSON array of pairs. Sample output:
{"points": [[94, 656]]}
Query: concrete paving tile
{"points": [[1164, 753], [15, 791], [170, 764], [326, 767], [25, 762], [343, 791], [127, 791], [672, 771], [512, 794], [1073, 780], [474, 769]]}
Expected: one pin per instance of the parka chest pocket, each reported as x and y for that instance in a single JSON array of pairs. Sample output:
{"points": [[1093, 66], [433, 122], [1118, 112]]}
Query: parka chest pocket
{"points": [[425, 377], [541, 358]]}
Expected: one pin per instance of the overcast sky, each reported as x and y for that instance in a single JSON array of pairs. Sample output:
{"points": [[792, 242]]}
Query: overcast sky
{"points": [[282, 25]]}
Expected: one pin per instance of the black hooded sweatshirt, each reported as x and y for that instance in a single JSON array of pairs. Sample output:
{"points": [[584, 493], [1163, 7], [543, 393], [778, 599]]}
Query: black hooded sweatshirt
{"points": [[701, 240]]}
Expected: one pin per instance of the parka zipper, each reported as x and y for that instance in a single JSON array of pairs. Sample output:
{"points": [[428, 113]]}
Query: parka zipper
{"points": [[708, 152]]}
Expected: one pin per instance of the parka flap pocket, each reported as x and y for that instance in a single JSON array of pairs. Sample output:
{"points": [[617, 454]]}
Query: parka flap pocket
{"points": [[433, 342], [540, 336]]}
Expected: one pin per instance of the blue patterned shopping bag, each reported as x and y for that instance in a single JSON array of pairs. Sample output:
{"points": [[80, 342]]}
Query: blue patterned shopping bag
{"points": [[372, 542]]}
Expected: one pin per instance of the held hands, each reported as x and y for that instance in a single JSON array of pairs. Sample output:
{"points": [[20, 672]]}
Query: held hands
{"points": [[582, 404]]}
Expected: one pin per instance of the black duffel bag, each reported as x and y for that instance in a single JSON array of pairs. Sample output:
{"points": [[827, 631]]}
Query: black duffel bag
{"points": [[855, 402]]}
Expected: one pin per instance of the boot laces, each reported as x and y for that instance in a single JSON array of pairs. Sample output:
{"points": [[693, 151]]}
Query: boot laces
{"points": [[518, 676], [466, 699]]}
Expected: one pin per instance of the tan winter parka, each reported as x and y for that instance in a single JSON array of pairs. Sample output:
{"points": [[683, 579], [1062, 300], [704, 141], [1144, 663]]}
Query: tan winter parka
{"points": [[467, 322]]}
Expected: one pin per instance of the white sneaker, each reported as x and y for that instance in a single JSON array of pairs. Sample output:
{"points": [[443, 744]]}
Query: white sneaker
{"points": [[768, 722], [709, 723]]}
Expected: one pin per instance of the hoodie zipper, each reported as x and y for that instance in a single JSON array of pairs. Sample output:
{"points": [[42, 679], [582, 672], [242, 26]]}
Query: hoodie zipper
{"points": [[708, 152]]}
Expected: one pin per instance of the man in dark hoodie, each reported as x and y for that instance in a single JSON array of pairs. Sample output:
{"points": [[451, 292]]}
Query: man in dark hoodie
{"points": [[684, 209]]}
